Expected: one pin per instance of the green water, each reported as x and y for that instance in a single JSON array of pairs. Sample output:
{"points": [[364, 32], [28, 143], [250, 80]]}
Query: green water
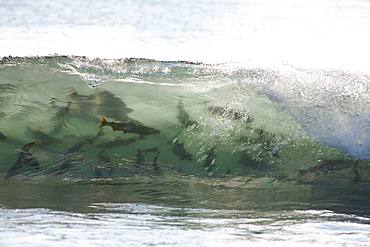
{"points": [[229, 164], [57, 102]]}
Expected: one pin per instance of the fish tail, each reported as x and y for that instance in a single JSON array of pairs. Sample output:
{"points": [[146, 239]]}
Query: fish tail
{"points": [[102, 122]]}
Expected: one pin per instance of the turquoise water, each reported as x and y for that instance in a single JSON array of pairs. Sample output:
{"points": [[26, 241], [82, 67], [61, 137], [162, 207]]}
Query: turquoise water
{"points": [[228, 123], [183, 118], [227, 158]]}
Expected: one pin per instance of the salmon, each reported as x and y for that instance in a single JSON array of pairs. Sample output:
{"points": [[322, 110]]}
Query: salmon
{"points": [[128, 127]]}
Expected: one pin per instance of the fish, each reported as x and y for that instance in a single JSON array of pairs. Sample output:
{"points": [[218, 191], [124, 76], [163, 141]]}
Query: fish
{"points": [[179, 150], [355, 173], [230, 113], [118, 142], [25, 159], [111, 106], [73, 155], [69, 158], [155, 164], [184, 117], [128, 127], [61, 116], [102, 102], [328, 166], [210, 159], [2, 137]]}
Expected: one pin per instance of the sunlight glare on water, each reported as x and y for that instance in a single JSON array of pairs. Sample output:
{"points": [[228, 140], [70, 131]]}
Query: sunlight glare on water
{"points": [[329, 34]]}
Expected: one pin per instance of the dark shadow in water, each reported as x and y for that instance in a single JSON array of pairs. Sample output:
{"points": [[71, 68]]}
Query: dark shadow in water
{"points": [[184, 117], [2, 137], [188, 192], [25, 161]]}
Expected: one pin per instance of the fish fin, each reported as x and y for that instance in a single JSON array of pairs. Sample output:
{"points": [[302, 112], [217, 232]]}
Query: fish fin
{"points": [[102, 122]]}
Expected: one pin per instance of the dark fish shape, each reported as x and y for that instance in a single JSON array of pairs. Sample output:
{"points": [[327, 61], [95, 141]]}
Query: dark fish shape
{"points": [[73, 109], [2, 137], [102, 102], [210, 160], [355, 173], [230, 113], [128, 127], [118, 142], [155, 164], [84, 106], [25, 159], [328, 166], [111, 106], [73, 155], [249, 161], [156, 157], [179, 150], [61, 116], [184, 117]]}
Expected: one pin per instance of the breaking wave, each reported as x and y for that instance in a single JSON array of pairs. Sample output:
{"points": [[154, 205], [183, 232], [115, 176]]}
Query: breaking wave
{"points": [[180, 117]]}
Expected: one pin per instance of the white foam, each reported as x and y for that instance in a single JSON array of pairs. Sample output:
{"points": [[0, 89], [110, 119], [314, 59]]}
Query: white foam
{"points": [[315, 34]]}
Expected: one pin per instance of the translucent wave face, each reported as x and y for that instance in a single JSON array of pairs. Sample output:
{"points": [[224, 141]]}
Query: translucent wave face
{"points": [[209, 119], [332, 105], [316, 34]]}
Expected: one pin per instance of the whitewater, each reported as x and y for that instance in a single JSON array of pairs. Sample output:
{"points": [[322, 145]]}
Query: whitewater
{"points": [[318, 34]]}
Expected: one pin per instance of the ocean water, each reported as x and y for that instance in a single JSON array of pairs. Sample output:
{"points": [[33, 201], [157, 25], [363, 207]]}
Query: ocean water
{"points": [[167, 123]]}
